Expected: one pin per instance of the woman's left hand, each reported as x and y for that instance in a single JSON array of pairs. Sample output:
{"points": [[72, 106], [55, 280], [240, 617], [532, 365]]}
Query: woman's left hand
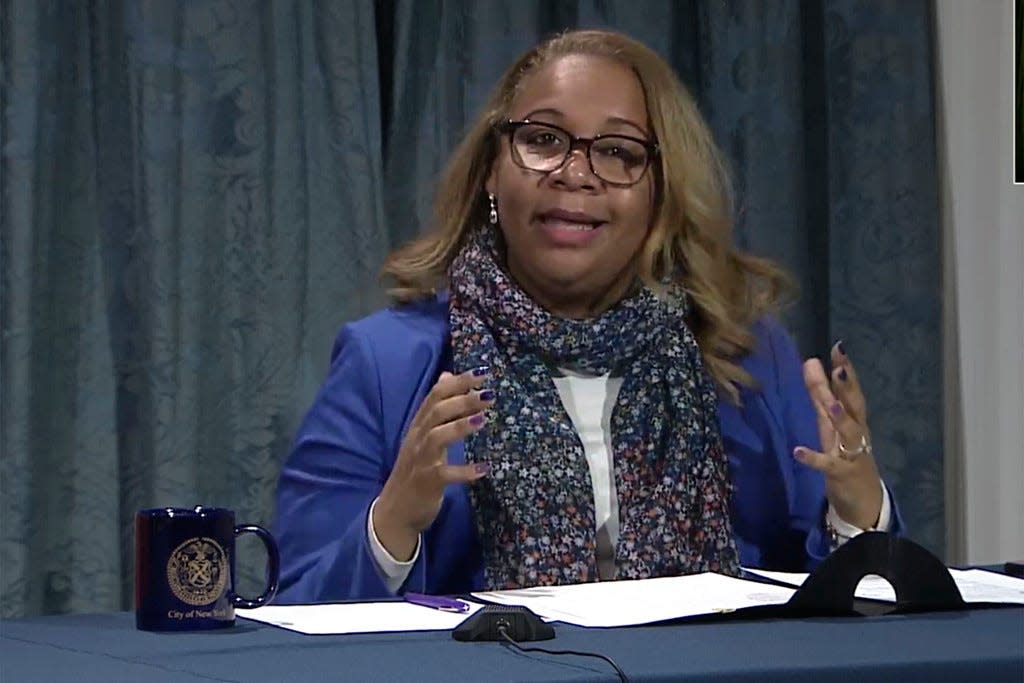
{"points": [[851, 474]]}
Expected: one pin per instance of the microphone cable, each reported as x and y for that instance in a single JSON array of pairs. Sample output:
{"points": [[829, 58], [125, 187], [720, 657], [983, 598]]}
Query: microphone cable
{"points": [[503, 631]]}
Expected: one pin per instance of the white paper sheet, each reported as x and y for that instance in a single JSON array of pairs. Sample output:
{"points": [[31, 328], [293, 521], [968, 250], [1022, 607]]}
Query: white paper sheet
{"points": [[627, 603], [357, 617], [976, 585]]}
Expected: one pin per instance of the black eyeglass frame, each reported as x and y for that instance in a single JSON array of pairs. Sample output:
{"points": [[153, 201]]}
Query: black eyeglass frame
{"points": [[510, 126]]}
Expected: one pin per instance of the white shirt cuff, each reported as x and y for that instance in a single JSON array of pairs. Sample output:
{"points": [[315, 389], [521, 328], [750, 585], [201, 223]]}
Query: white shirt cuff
{"points": [[394, 572], [845, 531]]}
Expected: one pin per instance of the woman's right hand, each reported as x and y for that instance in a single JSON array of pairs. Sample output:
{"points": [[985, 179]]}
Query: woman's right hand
{"points": [[413, 493]]}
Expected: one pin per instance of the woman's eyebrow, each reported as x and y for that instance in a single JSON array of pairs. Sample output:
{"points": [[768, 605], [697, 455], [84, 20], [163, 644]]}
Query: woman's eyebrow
{"points": [[616, 120], [626, 122], [546, 111]]}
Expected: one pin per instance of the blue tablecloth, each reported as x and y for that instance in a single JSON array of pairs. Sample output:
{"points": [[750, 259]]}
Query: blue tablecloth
{"points": [[977, 645]]}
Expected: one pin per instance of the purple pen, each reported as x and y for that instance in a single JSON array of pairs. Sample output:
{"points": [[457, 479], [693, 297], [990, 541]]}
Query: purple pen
{"points": [[437, 602]]}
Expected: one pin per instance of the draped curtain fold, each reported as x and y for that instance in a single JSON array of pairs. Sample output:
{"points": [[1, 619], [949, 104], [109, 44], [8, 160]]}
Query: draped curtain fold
{"points": [[196, 195]]}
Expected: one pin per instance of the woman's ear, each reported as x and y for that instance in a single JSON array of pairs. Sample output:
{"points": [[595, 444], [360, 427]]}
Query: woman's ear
{"points": [[491, 185]]}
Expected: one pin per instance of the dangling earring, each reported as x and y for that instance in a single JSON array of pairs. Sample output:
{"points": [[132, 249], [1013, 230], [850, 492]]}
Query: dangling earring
{"points": [[493, 215]]}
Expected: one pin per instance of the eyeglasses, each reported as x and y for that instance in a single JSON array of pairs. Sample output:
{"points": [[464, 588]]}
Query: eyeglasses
{"points": [[616, 159]]}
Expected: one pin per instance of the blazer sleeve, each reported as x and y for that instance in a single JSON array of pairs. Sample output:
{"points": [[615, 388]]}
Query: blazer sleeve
{"points": [[800, 426], [335, 470]]}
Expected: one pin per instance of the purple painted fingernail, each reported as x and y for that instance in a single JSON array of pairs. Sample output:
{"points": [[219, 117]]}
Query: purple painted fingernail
{"points": [[481, 371], [482, 468], [487, 395], [839, 345], [800, 454], [842, 374], [477, 420], [836, 409]]}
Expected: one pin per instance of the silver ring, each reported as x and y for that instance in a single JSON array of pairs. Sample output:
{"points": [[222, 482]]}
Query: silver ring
{"points": [[848, 453]]}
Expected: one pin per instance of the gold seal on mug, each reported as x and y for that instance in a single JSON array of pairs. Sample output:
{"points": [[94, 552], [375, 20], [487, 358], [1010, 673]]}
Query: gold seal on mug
{"points": [[197, 571]]}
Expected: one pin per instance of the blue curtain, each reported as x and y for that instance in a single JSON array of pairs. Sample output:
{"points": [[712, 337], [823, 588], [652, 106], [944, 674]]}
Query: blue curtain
{"points": [[195, 195]]}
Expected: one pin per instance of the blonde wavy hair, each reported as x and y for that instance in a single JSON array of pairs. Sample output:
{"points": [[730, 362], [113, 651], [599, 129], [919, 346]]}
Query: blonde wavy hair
{"points": [[690, 238]]}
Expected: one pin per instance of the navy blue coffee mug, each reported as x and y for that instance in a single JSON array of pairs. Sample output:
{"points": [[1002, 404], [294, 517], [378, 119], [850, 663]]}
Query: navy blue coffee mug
{"points": [[185, 568]]}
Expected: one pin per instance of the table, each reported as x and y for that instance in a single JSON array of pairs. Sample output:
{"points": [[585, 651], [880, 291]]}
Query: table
{"points": [[976, 645]]}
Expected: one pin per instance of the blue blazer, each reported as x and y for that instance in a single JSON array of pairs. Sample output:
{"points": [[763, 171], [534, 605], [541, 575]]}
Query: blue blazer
{"points": [[382, 368]]}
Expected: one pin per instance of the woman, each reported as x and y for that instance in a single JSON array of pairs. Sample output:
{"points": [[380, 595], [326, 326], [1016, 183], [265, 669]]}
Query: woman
{"points": [[599, 391]]}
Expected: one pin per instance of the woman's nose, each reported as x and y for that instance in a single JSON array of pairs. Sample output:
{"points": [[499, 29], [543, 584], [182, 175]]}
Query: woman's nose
{"points": [[575, 172]]}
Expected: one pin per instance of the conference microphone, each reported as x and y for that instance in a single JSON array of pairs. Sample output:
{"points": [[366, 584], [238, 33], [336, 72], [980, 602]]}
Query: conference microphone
{"points": [[514, 624]]}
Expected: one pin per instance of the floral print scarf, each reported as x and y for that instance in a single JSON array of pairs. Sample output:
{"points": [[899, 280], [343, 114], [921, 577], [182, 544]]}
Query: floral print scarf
{"points": [[535, 512]]}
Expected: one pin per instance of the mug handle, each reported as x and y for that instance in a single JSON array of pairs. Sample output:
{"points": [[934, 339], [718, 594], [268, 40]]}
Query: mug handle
{"points": [[273, 567]]}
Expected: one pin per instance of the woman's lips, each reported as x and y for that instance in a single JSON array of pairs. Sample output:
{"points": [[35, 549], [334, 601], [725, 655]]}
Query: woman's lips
{"points": [[562, 224], [564, 232]]}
